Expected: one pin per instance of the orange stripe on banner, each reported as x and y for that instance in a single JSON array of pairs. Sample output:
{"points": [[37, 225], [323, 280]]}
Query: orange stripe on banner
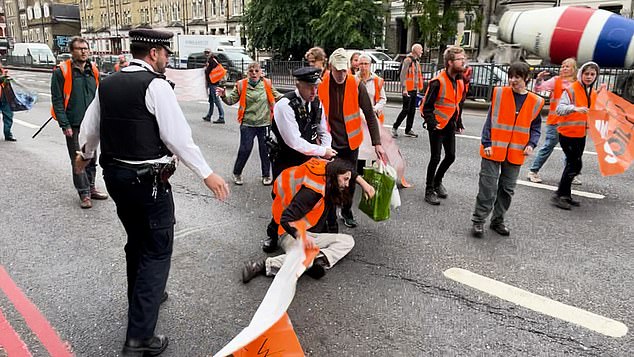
{"points": [[279, 340], [10, 341], [33, 317]]}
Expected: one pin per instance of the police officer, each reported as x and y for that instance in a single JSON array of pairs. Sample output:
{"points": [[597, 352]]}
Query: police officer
{"points": [[300, 131], [139, 123]]}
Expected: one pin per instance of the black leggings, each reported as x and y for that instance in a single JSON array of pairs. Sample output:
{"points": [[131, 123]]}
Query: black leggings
{"points": [[438, 139], [573, 148]]}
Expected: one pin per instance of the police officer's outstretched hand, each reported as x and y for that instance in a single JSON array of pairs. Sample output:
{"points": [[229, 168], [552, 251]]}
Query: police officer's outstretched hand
{"points": [[218, 186]]}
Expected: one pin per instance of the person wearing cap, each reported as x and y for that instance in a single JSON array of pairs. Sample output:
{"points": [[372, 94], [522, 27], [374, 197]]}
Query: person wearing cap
{"points": [[73, 86], [212, 63], [343, 98], [139, 124], [300, 132], [256, 97]]}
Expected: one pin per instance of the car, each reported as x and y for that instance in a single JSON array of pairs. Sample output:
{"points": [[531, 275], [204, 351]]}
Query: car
{"points": [[63, 57], [235, 63], [382, 64]]}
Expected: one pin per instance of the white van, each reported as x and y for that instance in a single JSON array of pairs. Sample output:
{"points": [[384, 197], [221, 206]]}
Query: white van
{"points": [[35, 53]]}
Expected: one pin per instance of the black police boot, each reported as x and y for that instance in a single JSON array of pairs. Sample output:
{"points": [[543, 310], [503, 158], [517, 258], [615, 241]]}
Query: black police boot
{"points": [[318, 269], [501, 229], [152, 346], [252, 269]]}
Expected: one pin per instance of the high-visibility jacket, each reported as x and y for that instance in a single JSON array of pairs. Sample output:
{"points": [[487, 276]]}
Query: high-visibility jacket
{"points": [[117, 67], [555, 97], [510, 132], [67, 72], [411, 71], [378, 86], [448, 100], [351, 110], [574, 124], [217, 74], [311, 174], [242, 86]]}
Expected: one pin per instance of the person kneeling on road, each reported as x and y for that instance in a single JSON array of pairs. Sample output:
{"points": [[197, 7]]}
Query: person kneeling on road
{"points": [[510, 133], [306, 192]]}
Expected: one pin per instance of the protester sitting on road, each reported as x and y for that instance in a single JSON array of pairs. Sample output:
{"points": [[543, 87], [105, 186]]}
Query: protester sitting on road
{"points": [[306, 193], [7, 113], [354, 63], [556, 85], [573, 110], [511, 131], [257, 97], [316, 57]]}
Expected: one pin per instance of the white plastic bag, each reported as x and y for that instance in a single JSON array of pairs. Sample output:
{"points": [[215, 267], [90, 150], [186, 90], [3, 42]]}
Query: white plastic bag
{"points": [[395, 201]]}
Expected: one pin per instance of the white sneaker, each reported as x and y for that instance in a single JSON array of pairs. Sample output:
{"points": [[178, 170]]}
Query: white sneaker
{"points": [[237, 179], [534, 177], [576, 181]]}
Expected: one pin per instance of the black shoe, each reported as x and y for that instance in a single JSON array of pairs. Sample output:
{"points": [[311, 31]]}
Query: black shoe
{"points": [[411, 134], [269, 245], [318, 269], [152, 346], [350, 222], [164, 297], [561, 202], [431, 197], [478, 230], [252, 269], [441, 191], [501, 229], [572, 201], [10, 138], [206, 119], [219, 121]]}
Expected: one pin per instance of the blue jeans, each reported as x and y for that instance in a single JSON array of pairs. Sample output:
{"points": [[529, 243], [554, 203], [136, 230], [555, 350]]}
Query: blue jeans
{"points": [[214, 99], [552, 139], [7, 117], [247, 135]]}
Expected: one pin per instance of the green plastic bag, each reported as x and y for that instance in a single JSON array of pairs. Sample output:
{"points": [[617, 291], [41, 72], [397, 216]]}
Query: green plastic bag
{"points": [[378, 207]]}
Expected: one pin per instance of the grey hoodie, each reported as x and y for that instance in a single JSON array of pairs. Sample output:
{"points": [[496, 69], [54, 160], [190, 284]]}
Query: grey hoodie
{"points": [[565, 105]]}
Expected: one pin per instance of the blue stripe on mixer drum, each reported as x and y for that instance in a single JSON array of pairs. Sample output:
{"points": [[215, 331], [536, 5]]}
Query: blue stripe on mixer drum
{"points": [[613, 42]]}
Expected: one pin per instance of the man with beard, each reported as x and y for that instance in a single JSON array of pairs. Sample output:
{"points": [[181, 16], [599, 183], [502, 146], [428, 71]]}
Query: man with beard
{"points": [[305, 193], [442, 112]]}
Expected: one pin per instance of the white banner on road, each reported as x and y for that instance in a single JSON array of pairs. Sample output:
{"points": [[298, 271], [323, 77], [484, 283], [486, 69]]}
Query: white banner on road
{"points": [[190, 83]]}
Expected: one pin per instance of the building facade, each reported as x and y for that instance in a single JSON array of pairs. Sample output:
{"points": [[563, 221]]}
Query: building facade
{"points": [[106, 23]]}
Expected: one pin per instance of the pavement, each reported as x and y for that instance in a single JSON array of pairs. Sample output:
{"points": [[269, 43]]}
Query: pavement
{"points": [[414, 285]]}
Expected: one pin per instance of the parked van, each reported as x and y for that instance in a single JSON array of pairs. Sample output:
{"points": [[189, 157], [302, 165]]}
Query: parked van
{"points": [[34, 53]]}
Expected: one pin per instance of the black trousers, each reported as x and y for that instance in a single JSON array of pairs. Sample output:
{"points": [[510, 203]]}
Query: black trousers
{"points": [[573, 148], [149, 224], [439, 139], [409, 110]]}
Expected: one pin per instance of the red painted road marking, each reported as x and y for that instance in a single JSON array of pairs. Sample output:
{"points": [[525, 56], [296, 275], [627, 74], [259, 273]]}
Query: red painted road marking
{"points": [[10, 341], [33, 317]]}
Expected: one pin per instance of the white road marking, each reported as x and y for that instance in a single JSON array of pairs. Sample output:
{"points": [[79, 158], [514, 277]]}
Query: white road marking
{"points": [[478, 138], [44, 94], [554, 188], [544, 305], [23, 123]]}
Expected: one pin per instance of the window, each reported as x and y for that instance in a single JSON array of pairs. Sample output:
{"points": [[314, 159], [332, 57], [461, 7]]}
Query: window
{"points": [[46, 10], [237, 8], [29, 13], [197, 9], [23, 21], [612, 8], [213, 8], [222, 7]]}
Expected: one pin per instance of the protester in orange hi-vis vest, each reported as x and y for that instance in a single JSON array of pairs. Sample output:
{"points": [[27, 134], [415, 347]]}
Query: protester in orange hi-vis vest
{"points": [[556, 85], [573, 110], [412, 83], [305, 193], [214, 74], [122, 63], [73, 87], [256, 97], [442, 112], [510, 133], [343, 99]]}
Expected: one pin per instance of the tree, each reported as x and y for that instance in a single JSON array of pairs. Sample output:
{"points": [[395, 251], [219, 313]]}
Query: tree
{"points": [[348, 24], [281, 26]]}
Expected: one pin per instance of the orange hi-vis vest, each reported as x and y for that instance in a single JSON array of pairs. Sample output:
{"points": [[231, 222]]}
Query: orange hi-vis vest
{"points": [[351, 111], [553, 118], [378, 85], [242, 86], [510, 132], [409, 81], [311, 174], [448, 99], [574, 124], [117, 67], [67, 71], [217, 74]]}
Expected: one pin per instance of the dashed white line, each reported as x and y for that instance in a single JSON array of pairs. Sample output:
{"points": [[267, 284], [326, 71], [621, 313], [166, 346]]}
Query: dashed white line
{"points": [[23, 123], [554, 188], [541, 304]]}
